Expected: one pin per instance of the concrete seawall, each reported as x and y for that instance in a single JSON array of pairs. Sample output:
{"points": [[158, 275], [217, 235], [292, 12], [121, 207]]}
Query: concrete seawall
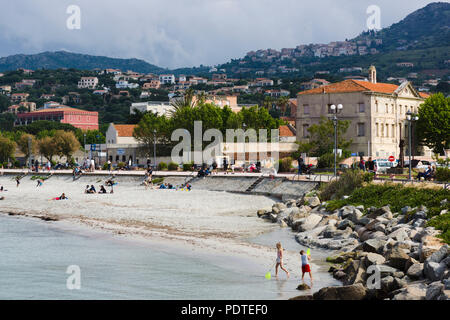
{"points": [[279, 187]]}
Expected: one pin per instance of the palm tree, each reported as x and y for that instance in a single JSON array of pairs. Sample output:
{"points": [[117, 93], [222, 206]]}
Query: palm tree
{"points": [[282, 102], [187, 101]]}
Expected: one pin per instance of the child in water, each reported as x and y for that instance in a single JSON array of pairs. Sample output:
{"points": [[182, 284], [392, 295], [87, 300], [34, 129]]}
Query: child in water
{"points": [[305, 265], [280, 260]]}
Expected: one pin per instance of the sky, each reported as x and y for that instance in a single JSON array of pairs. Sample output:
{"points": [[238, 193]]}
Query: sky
{"points": [[186, 33]]}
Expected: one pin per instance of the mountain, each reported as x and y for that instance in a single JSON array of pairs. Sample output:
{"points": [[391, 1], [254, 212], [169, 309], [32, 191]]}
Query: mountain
{"points": [[64, 59], [422, 38]]}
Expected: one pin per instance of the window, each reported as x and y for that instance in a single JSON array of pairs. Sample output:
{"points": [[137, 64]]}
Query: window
{"points": [[361, 108], [361, 129], [382, 129], [393, 131], [305, 130], [306, 109], [387, 130], [377, 131]]}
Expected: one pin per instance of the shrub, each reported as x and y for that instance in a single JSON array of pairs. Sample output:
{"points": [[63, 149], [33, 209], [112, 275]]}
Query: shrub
{"points": [[162, 166], [188, 166], [173, 166], [120, 165], [443, 174], [442, 223], [345, 185], [157, 180], [285, 164]]}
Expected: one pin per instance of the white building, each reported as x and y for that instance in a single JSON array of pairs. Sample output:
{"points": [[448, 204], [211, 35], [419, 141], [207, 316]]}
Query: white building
{"points": [[167, 79], [123, 84], [162, 108], [88, 83]]}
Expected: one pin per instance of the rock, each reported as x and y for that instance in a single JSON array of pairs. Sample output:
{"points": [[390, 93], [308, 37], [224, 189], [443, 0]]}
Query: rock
{"points": [[273, 217], [416, 291], [379, 212], [303, 298], [420, 215], [397, 258], [310, 222], [400, 234], [275, 210], [400, 283], [447, 261], [446, 284], [282, 224], [352, 292], [415, 271], [445, 295], [429, 245], [439, 255], [378, 235], [419, 223], [445, 211], [280, 206], [344, 224], [434, 290], [373, 245], [261, 213], [373, 258], [386, 270], [364, 221], [406, 210], [380, 228], [303, 286], [355, 215], [312, 201], [433, 270], [388, 284]]}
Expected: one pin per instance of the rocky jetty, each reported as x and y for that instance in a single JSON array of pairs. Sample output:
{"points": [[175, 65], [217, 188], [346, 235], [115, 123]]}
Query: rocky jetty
{"points": [[380, 254]]}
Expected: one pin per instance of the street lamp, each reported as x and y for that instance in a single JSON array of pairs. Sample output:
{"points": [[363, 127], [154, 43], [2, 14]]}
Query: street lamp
{"points": [[244, 126], [154, 147], [335, 110], [84, 146], [410, 117]]}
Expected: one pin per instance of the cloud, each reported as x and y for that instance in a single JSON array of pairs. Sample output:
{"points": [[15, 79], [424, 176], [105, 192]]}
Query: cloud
{"points": [[179, 33]]}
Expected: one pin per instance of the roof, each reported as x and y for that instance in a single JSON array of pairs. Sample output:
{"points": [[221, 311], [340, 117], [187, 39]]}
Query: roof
{"points": [[353, 86], [63, 109], [286, 132], [125, 130]]}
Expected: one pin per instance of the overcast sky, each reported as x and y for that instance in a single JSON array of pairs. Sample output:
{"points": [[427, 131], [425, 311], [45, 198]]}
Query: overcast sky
{"points": [[181, 33]]}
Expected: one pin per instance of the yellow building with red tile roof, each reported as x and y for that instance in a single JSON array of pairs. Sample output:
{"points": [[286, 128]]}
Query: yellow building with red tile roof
{"points": [[376, 111]]}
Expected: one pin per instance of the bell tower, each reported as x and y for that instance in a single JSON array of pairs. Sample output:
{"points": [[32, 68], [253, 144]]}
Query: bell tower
{"points": [[372, 74]]}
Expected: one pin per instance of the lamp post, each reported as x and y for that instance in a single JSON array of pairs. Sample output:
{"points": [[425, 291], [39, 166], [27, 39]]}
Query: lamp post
{"points": [[244, 126], [154, 147], [410, 117], [84, 146], [335, 110]]}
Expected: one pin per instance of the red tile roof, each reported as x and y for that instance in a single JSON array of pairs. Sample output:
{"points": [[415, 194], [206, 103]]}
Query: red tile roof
{"points": [[125, 130], [286, 132], [65, 109], [353, 86]]}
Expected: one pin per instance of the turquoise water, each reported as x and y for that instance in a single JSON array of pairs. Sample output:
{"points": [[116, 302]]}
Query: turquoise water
{"points": [[35, 256]]}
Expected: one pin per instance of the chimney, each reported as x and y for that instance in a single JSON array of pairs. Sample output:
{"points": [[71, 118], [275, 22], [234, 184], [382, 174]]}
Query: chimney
{"points": [[372, 74]]}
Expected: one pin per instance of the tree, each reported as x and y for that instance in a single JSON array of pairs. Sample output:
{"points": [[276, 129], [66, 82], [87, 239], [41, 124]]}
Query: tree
{"points": [[433, 126], [66, 143], [150, 130], [321, 138], [187, 101], [7, 148], [27, 144], [4, 103], [47, 147]]}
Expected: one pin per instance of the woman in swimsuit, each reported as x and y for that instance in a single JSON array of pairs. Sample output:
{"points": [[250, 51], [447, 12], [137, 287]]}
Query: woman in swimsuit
{"points": [[280, 260]]}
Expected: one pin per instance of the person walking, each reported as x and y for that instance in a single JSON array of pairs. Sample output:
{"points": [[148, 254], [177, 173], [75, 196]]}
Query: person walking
{"points": [[362, 164], [279, 262], [305, 265], [301, 163]]}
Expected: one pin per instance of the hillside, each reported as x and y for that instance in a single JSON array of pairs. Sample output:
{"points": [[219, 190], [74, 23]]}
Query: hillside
{"points": [[64, 59]]}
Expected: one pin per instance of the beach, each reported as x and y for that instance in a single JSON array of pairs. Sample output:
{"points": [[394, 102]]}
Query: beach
{"points": [[206, 224]]}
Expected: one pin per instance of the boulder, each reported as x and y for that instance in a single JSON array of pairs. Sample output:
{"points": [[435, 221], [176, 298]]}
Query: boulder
{"points": [[261, 213], [415, 271], [282, 224], [428, 246], [440, 254], [373, 245], [312, 201], [364, 221], [273, 217], [344, 224], [355, 215], [419, 223], [373, 258], [310, 222], [303, 286], [386, 270], [275, 210], [416, 291], [397, 258], [352, 292], [420, 215], [279, 205], [379, 212], [433, 270], [380, 227], [388, 284], [400, 234], [434, 290]]}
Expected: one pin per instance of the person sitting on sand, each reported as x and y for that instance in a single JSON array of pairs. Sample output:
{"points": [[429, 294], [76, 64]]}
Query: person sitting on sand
{"points": [[92, 189], [63, 197], [87, 189], [305, 265], [102, 189], [280, 260], [163, 186]]}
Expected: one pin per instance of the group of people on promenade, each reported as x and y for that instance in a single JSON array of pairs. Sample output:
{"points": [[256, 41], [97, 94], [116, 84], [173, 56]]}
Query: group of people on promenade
{"points": [[305, 258]]}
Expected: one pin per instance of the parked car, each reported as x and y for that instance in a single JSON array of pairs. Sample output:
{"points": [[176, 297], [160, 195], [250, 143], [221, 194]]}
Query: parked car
{"points": [[382, 165]]}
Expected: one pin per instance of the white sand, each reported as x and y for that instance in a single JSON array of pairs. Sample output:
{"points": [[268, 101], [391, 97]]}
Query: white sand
{"points": [[197, 220]]}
